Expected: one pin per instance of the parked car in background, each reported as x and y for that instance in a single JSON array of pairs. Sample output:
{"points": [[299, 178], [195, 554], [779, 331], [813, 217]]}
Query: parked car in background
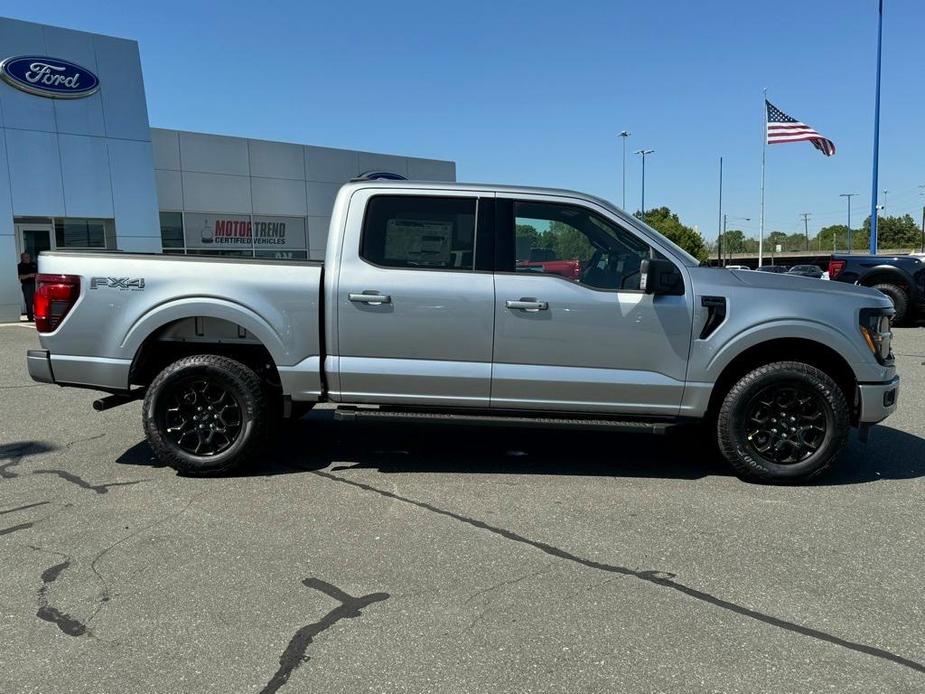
{"points": [[420, 312], [806, 271], [547, 260], [902, 278], [738, 267], [779, 269]]}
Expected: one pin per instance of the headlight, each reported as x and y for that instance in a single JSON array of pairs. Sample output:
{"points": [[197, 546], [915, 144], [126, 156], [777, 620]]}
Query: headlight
{"points": [[875, 327]]}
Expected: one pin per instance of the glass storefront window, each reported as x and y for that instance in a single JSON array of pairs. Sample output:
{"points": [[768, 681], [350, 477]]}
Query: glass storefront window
{"points": [[172, 230], [239, 236], [74, 232]]}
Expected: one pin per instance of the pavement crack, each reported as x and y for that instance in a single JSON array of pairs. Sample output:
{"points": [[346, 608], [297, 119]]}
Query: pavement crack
{"points": [[65, 622], [294, 656], [23, 508], [105, 593], [84, 439], [654, 577], [14, 528], [80, 482]]}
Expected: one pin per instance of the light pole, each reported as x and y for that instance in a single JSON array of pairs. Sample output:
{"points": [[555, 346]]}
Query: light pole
{"points": [[848, 196], [623, 135], [643, 153]]}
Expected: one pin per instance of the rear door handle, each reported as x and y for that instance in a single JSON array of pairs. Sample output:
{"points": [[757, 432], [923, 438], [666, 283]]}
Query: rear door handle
{"points": [[531, 305], [370, 298]]}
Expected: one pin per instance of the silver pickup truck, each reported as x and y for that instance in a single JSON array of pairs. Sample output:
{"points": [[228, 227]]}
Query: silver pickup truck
{"points": [[475, 302]]}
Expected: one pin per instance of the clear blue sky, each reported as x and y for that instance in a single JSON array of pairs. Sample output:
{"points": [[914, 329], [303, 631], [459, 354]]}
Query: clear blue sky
{"points": [[536, 92]]}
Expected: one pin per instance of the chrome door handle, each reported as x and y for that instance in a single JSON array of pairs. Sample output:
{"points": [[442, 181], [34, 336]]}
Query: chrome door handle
{"points": [[373, 299], [527, 305]]}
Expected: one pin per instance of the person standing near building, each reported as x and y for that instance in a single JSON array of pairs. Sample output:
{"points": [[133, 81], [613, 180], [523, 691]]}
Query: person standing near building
{"points": [[27, 271]]}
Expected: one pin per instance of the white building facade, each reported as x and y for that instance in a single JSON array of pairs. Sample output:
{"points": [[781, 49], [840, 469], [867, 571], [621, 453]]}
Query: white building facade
{"points": [[84, 170]]}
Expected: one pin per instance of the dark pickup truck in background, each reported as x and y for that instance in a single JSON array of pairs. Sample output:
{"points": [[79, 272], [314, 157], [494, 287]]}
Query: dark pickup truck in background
{"points": [[902, 278]]}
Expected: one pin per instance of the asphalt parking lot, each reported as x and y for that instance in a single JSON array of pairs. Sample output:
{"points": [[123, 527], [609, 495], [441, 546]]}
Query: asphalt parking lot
{"points": [[451, 559]]}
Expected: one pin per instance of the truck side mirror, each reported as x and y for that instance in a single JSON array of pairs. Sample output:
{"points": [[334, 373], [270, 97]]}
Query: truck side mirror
{"points": [[659, 276]]}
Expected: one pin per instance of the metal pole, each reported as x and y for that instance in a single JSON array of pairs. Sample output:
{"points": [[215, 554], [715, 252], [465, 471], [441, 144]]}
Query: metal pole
{"points": [[848, 197], [643, 206], [923, 228], [764, 150], [876, 162], [720, 197], [623, 135], [726, 249]]}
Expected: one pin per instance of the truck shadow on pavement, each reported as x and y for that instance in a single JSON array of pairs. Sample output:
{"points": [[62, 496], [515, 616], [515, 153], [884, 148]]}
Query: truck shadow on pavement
{"points": [[318, 441]]}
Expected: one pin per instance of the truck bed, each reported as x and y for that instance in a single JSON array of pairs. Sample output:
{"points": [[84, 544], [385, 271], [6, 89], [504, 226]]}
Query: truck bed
{"points": [[129, 299]]}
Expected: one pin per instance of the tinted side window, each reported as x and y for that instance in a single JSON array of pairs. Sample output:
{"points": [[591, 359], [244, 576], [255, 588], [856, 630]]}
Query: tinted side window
{"points": [[576, 244], [408, 231]]}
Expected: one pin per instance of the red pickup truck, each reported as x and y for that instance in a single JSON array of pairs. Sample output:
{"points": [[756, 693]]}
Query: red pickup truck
{"points": [[544, 260]]}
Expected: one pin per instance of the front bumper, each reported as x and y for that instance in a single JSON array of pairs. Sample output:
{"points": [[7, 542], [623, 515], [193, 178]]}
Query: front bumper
{"points": [[877, 400], [39, 364]]}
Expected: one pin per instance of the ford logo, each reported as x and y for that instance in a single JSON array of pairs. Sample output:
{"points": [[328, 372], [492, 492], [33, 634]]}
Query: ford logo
{"points": [[51, 77]]}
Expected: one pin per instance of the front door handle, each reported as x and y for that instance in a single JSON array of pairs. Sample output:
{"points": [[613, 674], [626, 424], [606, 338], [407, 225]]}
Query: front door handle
{"points": [[531, 305], [374, 299]]}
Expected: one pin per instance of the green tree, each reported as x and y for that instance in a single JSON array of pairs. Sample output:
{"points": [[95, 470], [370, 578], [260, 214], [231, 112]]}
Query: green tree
{"points": [[895, 232], [667, 222]]}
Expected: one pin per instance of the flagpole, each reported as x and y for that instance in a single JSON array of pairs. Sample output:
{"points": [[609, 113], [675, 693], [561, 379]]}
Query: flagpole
{"points": [[764, 151], [873, 185]]}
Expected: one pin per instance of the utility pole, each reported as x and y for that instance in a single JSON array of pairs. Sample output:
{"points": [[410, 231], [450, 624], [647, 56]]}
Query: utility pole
{"points": [[623, 135], [721, 237], [805, 216], [848, 196], [643, 153]]}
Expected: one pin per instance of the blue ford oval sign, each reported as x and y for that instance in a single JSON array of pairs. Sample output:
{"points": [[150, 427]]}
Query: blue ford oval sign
{"points": [[51, 77]]}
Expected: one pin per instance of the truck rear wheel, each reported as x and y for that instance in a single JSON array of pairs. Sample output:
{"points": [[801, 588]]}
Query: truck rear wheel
{"points": [[783, 422], [205, 414], [900, 300]]}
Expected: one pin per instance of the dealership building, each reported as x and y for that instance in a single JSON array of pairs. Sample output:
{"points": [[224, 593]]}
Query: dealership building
{"points": [[80, 167]]}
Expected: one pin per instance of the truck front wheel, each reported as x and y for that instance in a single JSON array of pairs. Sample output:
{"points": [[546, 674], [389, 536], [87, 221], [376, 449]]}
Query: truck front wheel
{"points": [[900, 300], [205, 414], [782, 422]]}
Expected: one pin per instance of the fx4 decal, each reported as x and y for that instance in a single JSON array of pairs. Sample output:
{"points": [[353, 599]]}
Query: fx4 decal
{"points": [[134, 284]]}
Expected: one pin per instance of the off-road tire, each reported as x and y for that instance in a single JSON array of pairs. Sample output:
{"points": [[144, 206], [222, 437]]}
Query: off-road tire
{"points": [[241, 383], [741, 453], [900, 299]]}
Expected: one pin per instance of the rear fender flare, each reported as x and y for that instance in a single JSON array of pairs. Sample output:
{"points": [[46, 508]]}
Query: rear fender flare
{"points": [[205, 307]]}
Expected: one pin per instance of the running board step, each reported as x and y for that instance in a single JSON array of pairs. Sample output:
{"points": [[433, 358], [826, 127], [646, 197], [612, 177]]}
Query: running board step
{"points": [[351, 414]]}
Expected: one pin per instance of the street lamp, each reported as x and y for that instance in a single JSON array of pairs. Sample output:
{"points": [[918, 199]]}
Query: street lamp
{"points": [[643, 153], [848, 196], [722, 237], [623, 135]]}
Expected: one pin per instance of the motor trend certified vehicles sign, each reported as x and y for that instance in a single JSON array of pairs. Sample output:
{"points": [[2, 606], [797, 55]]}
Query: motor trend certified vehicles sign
{"points": [[50, 77], [240, 232]]}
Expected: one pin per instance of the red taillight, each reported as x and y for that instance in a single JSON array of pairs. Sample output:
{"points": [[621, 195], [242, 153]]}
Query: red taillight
{"points": [[836, 267], [54, 297]]}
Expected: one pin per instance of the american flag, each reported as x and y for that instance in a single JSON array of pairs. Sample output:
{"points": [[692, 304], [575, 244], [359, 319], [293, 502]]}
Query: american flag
{"points": [[784, 128]]}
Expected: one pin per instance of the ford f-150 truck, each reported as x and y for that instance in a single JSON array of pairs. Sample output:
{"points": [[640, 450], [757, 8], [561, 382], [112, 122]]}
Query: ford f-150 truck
{"points": [[420, 311], [901, 277]]}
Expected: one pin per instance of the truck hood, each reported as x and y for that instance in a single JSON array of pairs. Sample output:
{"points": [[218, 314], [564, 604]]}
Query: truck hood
{"points": [[804, 285]]}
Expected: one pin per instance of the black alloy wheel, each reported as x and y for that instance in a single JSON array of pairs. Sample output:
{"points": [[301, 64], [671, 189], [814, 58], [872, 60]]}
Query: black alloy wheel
{"points": [[782, 422], [200, 416], [786, 423], [206, 414]]}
